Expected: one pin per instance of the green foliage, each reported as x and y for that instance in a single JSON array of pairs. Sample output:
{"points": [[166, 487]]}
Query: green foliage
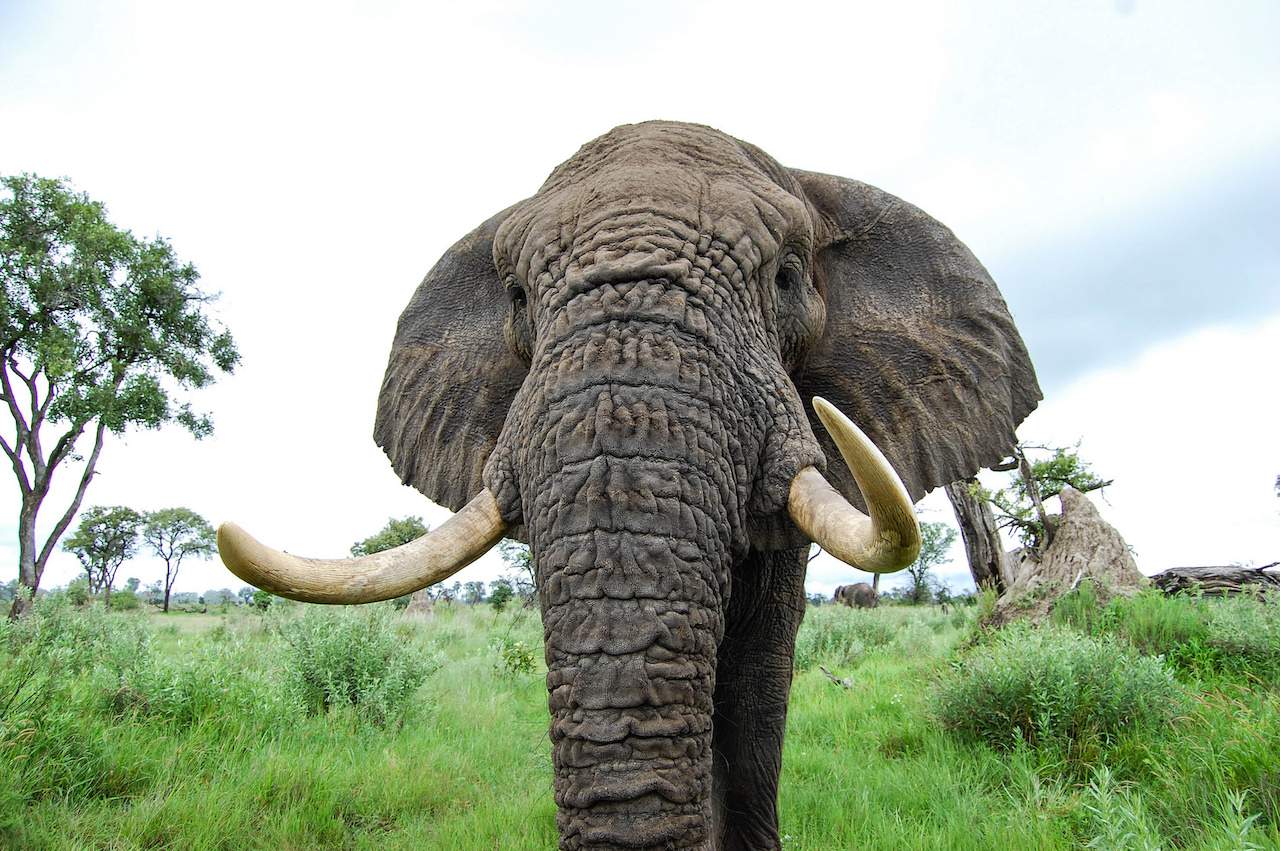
{"points": [[936, 540], [77, 591], [396, 533], [519, 561], [839, 635], [1056, 688], [96, 326], [202, 722], [173, 534], [473, 592], [216, 680], [104, 540], [100, 313], [353, 658], [515, 657], [262, 599], [1013, 504], [125, 601], [1233, 636], [500, 594]]}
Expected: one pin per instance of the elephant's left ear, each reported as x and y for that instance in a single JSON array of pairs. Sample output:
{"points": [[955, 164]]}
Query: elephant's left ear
{"points": [[919, 348], [451, 375]]}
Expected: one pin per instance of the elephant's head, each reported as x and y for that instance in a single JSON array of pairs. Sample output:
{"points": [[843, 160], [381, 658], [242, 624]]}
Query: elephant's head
{"points": [[616, 370]]}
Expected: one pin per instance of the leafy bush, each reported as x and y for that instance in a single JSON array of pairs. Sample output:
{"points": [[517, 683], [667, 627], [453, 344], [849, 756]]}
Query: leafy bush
{"points": [[838, 635], [1054, 687], [353, 657], [515, 657], [77, 591], [124, 601]]}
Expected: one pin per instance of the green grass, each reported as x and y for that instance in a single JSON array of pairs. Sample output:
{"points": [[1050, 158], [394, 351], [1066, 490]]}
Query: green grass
{"points": [[194, 738]]}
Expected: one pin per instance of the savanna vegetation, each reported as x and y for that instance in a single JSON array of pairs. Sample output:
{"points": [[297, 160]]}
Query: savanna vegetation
{"points": [[1147, 723]]}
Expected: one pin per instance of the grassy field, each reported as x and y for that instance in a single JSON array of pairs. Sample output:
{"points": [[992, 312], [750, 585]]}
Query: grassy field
{"points": [[210, 731]]}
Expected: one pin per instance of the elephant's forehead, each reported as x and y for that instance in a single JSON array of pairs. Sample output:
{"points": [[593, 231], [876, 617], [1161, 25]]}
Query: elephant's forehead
{"points": [[685, 179]]}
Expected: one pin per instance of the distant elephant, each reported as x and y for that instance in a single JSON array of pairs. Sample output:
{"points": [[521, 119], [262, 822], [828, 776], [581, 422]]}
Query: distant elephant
{"points": [[615, 371], [859, 595]]}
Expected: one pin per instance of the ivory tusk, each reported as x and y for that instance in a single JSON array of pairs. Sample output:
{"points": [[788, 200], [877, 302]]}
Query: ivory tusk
{"points": [[885, 541], [434, 557]]}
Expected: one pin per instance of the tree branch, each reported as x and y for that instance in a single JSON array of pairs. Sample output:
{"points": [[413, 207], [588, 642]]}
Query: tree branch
{"points": [[19, 420], [65, 520], [18, 469], [63, 447]]}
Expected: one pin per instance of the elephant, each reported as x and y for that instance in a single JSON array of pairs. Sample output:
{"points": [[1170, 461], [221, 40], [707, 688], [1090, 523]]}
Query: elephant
{"points": [[859, 595], [615, 370]]}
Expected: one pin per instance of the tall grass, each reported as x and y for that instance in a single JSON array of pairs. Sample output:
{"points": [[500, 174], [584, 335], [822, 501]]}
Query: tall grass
{"points": [[1204, 636], [188, 731]]}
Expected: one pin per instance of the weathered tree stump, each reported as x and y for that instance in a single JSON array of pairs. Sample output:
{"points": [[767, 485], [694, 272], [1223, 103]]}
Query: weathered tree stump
{"points": [[1217, 580], [1084, 547]]}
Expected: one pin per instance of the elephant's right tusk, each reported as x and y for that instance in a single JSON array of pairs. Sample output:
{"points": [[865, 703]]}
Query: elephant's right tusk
{"points": [[434, 557], [886, 541]]}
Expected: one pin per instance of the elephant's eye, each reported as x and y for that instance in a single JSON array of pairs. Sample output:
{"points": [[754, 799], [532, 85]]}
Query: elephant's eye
{"points": [[516, 293], [789, 275]]}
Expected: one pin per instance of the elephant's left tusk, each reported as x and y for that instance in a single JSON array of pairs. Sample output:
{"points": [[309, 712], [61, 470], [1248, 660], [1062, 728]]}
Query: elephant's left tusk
{"points": [[434, 557], [886, 541]]}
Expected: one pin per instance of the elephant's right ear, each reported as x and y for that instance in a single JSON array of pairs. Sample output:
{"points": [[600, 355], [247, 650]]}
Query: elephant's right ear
{"points": [[451, 375]]}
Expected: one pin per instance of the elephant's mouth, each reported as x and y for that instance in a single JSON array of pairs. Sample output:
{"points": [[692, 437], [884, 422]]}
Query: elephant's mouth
{"points": [[884, 540]]}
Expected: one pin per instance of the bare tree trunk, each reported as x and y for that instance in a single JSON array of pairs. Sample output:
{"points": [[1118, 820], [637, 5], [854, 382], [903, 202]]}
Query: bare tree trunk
{"points": [[982, 544], [170, 576], [1033, 491], [28, 575]]}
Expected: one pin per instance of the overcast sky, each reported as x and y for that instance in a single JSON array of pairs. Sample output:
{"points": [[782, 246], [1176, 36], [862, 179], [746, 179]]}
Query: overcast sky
{"points": [[1114, 164]]}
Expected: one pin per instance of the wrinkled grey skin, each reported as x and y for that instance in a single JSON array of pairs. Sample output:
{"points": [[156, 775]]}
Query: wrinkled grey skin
{"points": [[859, 595], [624, 360]]}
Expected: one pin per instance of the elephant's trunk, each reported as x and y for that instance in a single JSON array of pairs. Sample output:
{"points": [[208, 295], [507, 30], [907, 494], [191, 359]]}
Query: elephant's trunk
{"points": [[635, 473], [632, 613]]}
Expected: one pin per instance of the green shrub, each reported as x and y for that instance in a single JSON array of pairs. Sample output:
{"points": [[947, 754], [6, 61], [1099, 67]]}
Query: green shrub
{"points": [[515, 657], [77, 591], [124, 601], [261, 600], [1054, 687], [838, 635], [353, 657]]}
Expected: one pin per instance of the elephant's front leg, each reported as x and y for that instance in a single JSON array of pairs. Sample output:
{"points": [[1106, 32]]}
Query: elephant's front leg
{"points": [[753, 680]]}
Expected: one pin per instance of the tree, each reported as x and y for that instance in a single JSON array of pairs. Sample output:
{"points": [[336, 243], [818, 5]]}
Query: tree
{"points": [[245, 594], [935, 544], [500, 593], [519, 563], [394, 534], [99, 330], [981, 535], [1019, 506], [473, 592], [106, 538], [131, 584], [172, 534]]}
